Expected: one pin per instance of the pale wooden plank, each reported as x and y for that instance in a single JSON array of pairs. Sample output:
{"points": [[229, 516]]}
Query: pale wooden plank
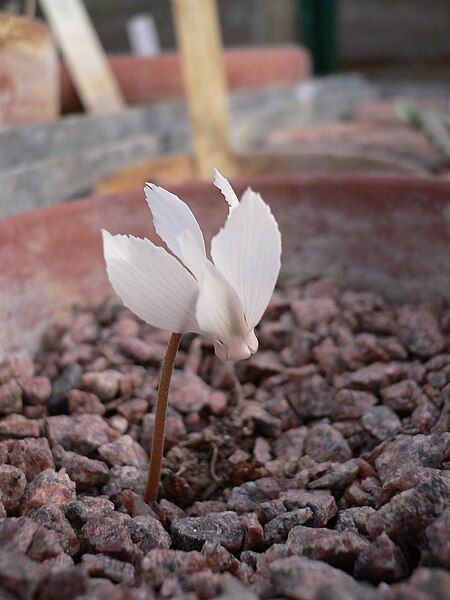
{"points": [[84, 55], [199, 42]]}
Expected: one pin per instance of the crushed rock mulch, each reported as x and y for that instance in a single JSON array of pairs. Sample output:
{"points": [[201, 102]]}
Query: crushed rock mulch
{"points": [[318, 469]]}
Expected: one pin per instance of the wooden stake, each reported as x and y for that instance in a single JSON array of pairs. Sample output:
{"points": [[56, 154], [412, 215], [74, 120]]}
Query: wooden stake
{"points": [[30, 8], [199, 43], [84, 55]]}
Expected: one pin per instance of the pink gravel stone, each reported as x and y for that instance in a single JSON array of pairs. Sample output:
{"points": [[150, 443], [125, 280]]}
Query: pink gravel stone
{"points": [[12, 487], [36, 390], [124, 451], [32, 456], [49, 487]]}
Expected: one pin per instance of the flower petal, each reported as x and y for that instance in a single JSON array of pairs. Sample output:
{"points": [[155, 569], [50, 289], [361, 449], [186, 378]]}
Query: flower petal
{"points": [[219, 313], [247, 252], [225, 187], [151, 282], [173, 218]]}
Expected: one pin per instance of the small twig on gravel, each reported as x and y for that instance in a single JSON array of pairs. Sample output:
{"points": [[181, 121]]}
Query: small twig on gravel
{"points": [[180, 471], [239, 392], [212, 466]]}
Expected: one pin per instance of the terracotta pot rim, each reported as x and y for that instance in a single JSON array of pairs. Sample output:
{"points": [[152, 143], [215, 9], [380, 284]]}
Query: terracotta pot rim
{"points": [[349, 180], [153, 78], [388, 234]]}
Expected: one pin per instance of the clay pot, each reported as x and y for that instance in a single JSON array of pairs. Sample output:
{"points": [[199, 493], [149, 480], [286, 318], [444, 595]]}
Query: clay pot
{"points": [[179, 168], [29, 91], [383, 145], [388, 234], [157, 78]]}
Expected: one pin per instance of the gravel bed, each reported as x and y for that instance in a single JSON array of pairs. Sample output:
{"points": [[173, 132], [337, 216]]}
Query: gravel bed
{"points": [[316, 470]]}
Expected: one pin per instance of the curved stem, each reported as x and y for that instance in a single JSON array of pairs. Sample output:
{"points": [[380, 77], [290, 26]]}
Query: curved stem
{"points": [[159, 428]]}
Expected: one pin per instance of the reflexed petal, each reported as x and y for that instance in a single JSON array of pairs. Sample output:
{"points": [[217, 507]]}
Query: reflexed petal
{"points": [[173, 218], [247, 252], [220, 314], [151, 282], [225, 187]]}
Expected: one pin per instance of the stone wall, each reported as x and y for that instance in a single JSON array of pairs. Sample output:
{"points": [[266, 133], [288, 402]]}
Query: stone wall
{"points": [[394, 30]]}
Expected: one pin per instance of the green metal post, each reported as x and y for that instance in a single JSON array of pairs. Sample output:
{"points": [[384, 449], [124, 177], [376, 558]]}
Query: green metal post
{"points": [[318, 32]]}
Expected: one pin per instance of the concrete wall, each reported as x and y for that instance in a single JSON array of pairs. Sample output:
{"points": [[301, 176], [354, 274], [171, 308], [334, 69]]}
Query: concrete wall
{"points": [[385, 30], [243, 21]]}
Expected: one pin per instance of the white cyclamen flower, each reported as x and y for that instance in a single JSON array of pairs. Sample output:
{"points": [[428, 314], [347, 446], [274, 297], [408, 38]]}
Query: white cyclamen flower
{"points": [[222, 299]]}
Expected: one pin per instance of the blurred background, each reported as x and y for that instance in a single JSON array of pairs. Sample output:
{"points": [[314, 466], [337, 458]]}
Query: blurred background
{"points": [[410, 38], [381, 37], [319, 85]]}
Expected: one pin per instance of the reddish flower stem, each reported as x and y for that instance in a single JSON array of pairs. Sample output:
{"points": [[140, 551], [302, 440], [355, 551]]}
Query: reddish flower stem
{"points": [[159, 429]]}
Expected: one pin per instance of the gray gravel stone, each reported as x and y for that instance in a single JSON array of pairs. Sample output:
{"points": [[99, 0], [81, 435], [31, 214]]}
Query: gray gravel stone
{"points": [[402, 396], [419, 331], [85, 472], [124, 451], [157, 565], [337, 477], [381, 421], [312, 397], [438, 538], [12, 487], [17, 426], [68, 380], [338, 549], [380, 561], [302, 578], [101, 565], [371, 378], [16, 534], [418, 450], [148, 533], [19, 575], [351, 404], [276, 530], [406, 516], [125, 478], [324, 443], [46, 545], [110, 535], [225, 527], [52, 517], [424, 584], [321, 503], [311, 312], [354, 519], [10, 398], [87, 507], [290, 444], [104, 384]]}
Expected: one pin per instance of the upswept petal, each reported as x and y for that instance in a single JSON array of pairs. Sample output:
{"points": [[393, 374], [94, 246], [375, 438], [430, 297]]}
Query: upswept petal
{"points": [[173, 218], [151, 282], [225, 187], [247, 252]]}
